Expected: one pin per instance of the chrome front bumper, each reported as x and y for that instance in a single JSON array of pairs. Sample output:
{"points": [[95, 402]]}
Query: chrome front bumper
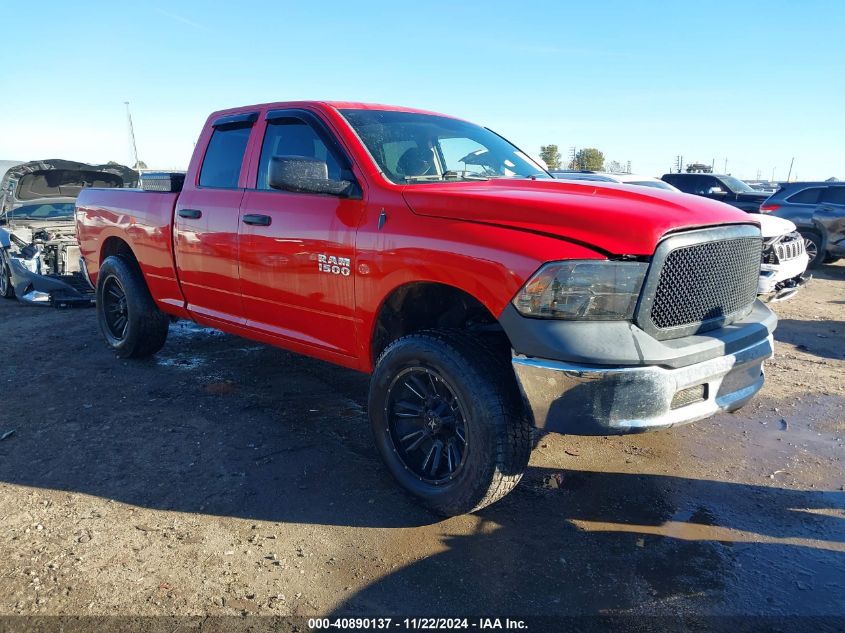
{"points": [[594, 400]]}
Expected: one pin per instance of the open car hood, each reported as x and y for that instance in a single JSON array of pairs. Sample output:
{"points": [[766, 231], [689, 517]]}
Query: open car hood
{"points": [[57, 178], [614, 219]]}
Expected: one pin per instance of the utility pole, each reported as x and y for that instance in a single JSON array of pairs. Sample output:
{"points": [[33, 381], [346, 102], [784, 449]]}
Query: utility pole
{"points": [[572, 152], [629, 167], [773, 175], [726, 166], [132, 135], [789, 175], [679, 163]]}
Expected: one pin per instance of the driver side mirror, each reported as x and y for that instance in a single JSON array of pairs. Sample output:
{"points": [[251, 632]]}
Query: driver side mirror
{"points": [[305, 175]]}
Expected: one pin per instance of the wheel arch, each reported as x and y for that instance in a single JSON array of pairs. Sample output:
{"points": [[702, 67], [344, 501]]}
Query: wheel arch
{"points": [[114, 245], [420, 305]]}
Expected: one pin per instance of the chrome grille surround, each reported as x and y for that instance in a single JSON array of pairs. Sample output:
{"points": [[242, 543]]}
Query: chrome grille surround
{"points": [[700, 280], [789, 247]]}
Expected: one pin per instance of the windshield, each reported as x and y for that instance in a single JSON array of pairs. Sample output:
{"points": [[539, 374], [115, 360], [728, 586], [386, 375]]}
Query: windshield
{"points": [[736, 185], [54, 211], [416, 148]]}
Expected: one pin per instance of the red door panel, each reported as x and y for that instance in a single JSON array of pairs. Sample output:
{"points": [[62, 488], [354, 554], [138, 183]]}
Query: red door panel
{"points": [[297, 274], [206, 252]]}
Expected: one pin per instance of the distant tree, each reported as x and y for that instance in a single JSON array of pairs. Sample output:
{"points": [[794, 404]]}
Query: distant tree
{"points": [[615, 167], [588, 158], [140, 165], [550, 156]]}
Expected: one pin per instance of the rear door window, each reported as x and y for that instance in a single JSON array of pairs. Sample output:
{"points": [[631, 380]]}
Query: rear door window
{"points": [[805, 196], [221, 167]]}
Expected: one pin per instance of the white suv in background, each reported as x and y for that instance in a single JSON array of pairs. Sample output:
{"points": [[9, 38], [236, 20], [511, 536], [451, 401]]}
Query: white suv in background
{"points": [[785, 259], [625, 179]]}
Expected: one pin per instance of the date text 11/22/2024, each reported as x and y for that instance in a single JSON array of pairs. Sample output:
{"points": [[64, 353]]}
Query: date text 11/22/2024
{"points": [[429, 624]]}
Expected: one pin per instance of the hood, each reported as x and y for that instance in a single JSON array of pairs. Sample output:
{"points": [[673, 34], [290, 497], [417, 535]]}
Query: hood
{"points": [[58, 178], [773, 226], [614, 219]]}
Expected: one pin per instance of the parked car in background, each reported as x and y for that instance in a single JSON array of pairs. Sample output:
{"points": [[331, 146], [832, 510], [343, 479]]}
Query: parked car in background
{"points": [[625, 179], [39, 252], [719, 187], [785, 260], [818, 210]]}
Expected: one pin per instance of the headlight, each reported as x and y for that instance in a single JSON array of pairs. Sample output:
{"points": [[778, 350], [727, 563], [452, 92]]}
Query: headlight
{"points": [[590, 290]]}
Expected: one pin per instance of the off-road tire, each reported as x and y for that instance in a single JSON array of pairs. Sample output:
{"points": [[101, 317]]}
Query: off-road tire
{"points": [[146, 327], [7, 291], [498, 432]]}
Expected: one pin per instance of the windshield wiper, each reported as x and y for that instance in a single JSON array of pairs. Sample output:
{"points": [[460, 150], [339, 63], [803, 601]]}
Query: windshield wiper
{"points": [[449, 176], [426, 178], [463, 175]]}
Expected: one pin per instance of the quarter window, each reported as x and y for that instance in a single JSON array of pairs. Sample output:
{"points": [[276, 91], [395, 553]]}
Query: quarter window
{"points": [[221, 167]]}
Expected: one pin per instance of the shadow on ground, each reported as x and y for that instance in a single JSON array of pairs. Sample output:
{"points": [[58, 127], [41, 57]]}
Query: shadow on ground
{"points": [[220, 426], [819, 338]]}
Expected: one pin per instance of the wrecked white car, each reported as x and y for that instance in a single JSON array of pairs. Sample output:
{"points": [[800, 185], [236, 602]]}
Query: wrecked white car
{"points": [[785, 260], [39, 255], [39, 252]]}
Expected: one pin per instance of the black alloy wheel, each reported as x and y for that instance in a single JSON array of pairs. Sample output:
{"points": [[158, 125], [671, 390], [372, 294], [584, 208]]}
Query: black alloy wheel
{"points": [[129, 319], [115, 308], [427, 425]]}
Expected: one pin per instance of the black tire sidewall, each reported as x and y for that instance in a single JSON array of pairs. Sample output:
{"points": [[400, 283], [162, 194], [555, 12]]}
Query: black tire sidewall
{"points": [[128, 277], [469, 386], [6, 273]]}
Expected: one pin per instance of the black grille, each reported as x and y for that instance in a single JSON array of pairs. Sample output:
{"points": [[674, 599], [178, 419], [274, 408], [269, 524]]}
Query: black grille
{"points": [[707, 282]]}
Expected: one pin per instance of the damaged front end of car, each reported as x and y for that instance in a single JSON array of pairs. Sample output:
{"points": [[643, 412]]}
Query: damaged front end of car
{"points": [[783, 269], [40, 265]]}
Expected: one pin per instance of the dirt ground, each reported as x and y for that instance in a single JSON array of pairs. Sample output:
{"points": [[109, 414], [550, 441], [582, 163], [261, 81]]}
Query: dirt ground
{"points": [[227, 477]]}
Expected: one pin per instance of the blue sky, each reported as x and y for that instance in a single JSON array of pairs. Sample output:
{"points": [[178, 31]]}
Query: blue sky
{"points": [[754, 82]]}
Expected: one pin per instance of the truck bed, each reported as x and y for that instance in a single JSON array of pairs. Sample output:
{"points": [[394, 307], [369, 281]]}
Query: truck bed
{"points": [[106, 218]]}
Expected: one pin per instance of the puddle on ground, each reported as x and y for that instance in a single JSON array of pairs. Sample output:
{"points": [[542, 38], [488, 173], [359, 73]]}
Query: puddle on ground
{"points": [[186, 363]]}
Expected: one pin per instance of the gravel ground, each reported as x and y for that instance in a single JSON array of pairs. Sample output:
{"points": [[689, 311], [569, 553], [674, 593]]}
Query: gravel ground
{"points": [[227, 477]]}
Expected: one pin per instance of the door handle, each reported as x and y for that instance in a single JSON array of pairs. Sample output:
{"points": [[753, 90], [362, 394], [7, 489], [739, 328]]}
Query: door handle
{"points": [[256, 219], [190, 214]]}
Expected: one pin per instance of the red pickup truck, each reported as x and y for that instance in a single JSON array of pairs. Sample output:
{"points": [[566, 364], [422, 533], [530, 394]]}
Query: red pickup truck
{"points": [[482, 295]]}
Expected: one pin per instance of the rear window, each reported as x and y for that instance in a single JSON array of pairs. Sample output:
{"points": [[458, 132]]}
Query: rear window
{"points": [[221, 167], [805, 196]]}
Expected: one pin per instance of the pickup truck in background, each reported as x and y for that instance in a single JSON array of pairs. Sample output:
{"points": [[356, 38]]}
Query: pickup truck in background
{"points": [[483, 296], [723, 188]]}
